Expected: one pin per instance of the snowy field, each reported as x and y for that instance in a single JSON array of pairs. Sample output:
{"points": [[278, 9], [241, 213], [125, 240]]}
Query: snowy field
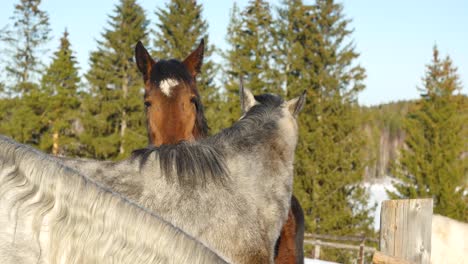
{"points": [[377, 190], [316, 261]]}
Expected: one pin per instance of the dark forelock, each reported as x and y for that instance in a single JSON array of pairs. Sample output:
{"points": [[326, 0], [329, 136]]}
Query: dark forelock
{"points": [[170, 69]]}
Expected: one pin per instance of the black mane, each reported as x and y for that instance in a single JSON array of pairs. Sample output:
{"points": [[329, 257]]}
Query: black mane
{"points": [[192, 164]]}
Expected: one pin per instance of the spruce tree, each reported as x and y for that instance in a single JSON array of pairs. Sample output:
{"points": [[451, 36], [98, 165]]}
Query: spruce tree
{"points": [[315, 53], [179, 29], [23, 39], [250, 54], [60, 85], [30, 31], [433, 164], [114, 122]]}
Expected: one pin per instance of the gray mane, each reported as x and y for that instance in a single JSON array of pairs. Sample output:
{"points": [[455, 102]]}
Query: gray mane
{"points": [[203, 161], [82, 214]]}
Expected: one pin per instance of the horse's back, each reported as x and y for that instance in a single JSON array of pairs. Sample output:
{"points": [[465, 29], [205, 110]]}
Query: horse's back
{"points": [[449, 243]]}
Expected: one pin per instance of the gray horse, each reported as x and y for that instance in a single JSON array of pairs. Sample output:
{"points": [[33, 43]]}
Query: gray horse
{"points": [[231, 191], [50, 213]]}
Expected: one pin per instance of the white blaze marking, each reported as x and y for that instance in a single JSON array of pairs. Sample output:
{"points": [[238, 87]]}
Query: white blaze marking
{"points": [[166, 86]]}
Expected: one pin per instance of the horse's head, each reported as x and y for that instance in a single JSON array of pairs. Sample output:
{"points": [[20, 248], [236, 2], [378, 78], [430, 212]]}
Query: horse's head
{"points": [[173, 108], [272, 109]]}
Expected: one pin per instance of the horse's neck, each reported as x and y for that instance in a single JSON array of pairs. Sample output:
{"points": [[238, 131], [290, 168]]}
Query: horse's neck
{"points": [[122, 177]]}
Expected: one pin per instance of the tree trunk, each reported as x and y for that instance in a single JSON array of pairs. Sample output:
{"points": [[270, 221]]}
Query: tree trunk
{"points": [[123, 122], [55, 143], [123, 127]]}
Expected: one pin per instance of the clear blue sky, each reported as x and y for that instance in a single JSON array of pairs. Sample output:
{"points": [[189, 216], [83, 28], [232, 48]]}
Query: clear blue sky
{"points": [[395, 38]]}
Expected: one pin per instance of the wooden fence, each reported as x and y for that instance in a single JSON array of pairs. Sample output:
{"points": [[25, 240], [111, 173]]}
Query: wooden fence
{"points": [[405, 235], [319, 241]]}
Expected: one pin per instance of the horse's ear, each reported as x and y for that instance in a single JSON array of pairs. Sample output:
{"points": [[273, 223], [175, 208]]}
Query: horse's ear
{"points": [[295, 105], [143, 60], [247, 99], [194, 61]]}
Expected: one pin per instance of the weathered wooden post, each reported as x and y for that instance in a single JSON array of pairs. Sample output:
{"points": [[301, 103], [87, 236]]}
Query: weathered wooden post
{"points": [[405, 229], [361, 252], [316, 253]]}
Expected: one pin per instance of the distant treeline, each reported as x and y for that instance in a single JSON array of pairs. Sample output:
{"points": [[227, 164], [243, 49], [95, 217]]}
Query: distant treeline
{"points": [[385, 134]]}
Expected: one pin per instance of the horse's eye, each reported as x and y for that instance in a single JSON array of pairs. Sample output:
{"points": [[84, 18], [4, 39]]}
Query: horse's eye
{"points": [[147, 104]]}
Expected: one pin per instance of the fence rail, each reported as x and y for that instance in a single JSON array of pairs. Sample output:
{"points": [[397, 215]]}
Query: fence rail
{"points": [[340, 238], [316, 240]]}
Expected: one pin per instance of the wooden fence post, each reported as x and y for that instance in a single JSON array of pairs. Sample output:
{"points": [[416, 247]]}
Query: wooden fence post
{"points": [[317, 250], [361, 252], [405, 229]]}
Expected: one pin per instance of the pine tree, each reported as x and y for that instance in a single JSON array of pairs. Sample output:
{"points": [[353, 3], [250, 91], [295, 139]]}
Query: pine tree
{"points": [[30, 31], [60, 85], [180, 28], [114, 123], [433, 163], [250, 54], [23, 40], [315, 53]]}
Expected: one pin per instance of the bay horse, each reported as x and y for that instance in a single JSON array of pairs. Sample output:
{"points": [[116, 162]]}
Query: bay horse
{"points": [[174, 113], [231, 191], [50, 213]]}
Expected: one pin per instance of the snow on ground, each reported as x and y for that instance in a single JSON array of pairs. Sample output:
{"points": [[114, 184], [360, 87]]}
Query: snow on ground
{"points": [[316, 261], [378, 194]]}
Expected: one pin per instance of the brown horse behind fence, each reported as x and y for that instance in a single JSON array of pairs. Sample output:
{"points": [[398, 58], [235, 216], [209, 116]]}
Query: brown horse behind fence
{"points": [[174, 113]]}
